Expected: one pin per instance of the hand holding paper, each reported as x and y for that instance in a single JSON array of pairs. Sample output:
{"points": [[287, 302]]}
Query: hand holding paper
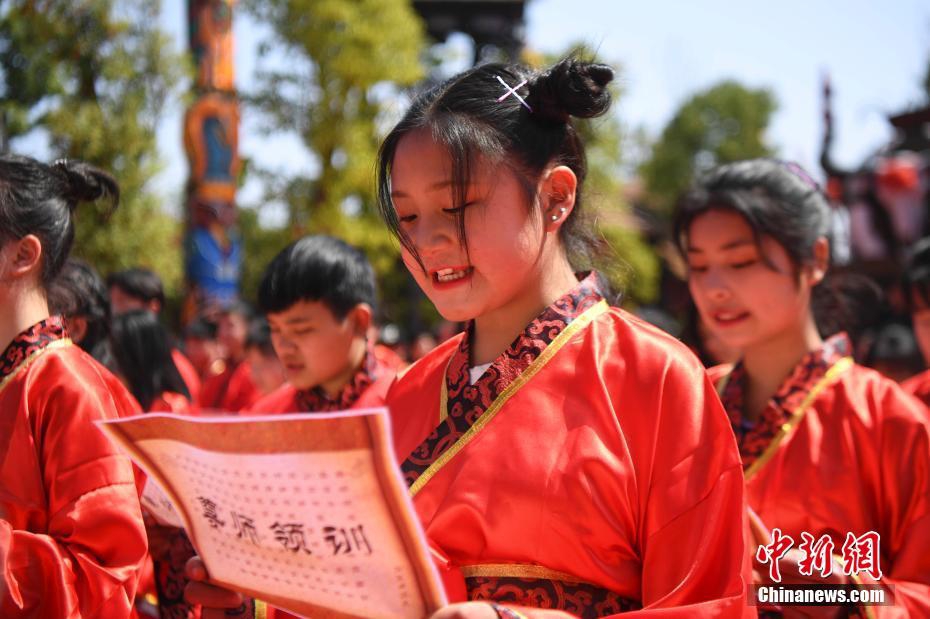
{"points": [[307, 511]]}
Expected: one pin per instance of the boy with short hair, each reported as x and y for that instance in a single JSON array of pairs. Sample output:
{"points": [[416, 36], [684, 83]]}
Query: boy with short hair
{"points": [[318, 295]]}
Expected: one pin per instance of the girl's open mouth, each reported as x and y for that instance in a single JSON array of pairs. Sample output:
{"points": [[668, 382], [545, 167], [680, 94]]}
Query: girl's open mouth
{"points": [[451, 275]]}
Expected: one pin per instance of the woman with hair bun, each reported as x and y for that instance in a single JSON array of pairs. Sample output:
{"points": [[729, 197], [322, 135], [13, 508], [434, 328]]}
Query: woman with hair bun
{"points": [[836, 456], [72, 540], [565, 458]]}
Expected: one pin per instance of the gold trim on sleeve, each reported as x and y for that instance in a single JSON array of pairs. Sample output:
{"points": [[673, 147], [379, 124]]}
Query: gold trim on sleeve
{"points": [[516, 570], [444, 393], [539, 363], [788, 427]]}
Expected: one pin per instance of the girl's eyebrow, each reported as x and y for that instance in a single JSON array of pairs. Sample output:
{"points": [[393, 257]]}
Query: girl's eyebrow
{"points": [[434, 187], [730, 245]]}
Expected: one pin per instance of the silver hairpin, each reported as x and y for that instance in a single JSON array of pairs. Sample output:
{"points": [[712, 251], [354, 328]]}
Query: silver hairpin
{"points": [[512, 91]]}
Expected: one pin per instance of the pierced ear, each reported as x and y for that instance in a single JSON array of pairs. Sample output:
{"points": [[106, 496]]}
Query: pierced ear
{"points": [[558, 193], [821, 260], [26, 256]]}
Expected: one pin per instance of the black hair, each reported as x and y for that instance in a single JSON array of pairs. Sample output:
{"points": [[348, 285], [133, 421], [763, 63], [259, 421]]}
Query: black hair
{"points": [[200, 329], [143, 356], [780, 200], [917, 275], [776, 198], [467, 116], [139, 283], [40, 199], [259, 337], [78, 290], [318, 268]]}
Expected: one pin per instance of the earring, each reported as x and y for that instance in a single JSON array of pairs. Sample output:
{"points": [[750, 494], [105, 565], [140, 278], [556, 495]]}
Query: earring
{"points": [[561, 212]]}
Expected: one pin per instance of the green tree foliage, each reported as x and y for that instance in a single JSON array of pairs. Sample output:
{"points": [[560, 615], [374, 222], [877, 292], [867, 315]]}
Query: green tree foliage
{"points": [[724, 123], [94, 76], [347, 63]]}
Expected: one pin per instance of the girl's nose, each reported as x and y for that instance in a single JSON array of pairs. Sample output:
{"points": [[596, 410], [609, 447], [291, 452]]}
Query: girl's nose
{"points": [[435, 234], [717, 287]]}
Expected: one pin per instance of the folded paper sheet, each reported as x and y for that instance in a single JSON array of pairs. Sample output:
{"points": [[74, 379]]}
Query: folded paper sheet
{"points": [[307, 512]]}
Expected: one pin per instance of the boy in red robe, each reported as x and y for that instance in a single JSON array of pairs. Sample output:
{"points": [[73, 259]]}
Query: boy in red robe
{"points": [[318, 295]]}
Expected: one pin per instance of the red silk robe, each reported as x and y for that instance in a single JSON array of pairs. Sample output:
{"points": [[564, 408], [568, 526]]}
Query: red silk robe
{"points": [[591, 469], [230, 391], [72, 541], [171, 402], [855, 458], [919, 387], [188, 374], [367, 389]]}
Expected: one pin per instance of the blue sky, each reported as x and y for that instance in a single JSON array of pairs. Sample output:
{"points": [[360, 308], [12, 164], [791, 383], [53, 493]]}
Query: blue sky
{"points": [[876, 54]]}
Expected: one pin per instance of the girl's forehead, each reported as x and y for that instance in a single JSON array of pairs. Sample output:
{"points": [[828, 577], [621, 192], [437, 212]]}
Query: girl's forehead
{"points": [[422, 164], [719, 227]]}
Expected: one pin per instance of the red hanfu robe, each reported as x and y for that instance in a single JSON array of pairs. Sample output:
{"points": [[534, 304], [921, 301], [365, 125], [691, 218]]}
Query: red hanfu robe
{"points": [[367, 389], [590, 469], [188, 374], [230, 391], [72, 541], [919, 387], [842, 449], [171, 402]]}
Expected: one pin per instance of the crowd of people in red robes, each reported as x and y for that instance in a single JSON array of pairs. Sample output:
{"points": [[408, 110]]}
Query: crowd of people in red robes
{"points": [[565, 458]]}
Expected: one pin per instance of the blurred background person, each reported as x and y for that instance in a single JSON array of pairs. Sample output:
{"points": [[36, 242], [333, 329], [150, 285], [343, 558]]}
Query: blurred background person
{"points": [[139, 288], [233, 389], [144, 363], [267, 371], [79, 295]]}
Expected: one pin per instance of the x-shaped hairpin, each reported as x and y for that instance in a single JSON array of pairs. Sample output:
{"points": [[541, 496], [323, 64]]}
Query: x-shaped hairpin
{"points": [[512, 91]]}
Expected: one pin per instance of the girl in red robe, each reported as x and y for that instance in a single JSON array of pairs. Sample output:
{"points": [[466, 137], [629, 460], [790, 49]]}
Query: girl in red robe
{"points": [[564, 458], [72, 540], [830, 448]]}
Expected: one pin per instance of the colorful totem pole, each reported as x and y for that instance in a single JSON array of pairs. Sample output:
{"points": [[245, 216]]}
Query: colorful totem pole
{"points": [[212, 250]]}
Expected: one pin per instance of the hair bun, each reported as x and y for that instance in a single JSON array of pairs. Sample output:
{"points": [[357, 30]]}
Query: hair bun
{"points": [[571, 88], [86, 183]]}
